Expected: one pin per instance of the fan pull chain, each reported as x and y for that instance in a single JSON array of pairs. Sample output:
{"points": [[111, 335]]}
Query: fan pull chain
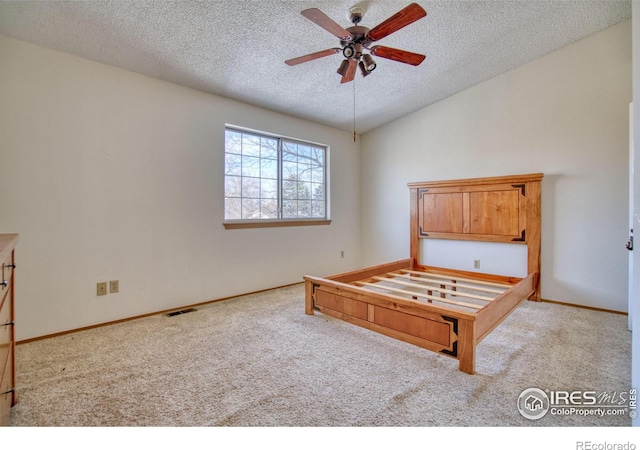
{"points": [[354, 110]]}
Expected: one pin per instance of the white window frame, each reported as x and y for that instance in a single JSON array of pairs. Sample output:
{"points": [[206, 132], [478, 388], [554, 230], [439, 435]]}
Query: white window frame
{"points": [[234, 173]]}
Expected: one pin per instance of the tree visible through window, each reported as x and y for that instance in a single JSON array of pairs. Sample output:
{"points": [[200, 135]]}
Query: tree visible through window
{"points": [[273, 178]]}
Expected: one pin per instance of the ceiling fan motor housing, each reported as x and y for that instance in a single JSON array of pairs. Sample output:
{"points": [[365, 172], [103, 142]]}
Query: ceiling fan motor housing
{"points": [[353, 48]]}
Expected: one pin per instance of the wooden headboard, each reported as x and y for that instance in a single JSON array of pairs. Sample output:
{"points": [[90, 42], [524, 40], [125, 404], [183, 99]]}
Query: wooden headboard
{"points": [[496, 209]]}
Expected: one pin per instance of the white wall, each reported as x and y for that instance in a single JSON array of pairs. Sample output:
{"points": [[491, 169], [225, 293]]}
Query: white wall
{"points": [[565, 115], [107, 174]]}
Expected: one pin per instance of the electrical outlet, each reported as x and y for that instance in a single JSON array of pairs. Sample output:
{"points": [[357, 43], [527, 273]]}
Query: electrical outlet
{"points": [[114, 286], [102, 288], [476, 263], [341, 253]]}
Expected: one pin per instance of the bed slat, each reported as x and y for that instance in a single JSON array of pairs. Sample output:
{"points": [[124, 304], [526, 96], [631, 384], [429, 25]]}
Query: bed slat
{"points": [[418, 294], [466, 280], [433, 288], [426, 279]]}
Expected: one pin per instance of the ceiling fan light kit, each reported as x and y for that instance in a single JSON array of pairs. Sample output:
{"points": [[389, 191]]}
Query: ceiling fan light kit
{"points": [[344, 66], [356, 39], [348, 51], [368, 62], [363, 69]]}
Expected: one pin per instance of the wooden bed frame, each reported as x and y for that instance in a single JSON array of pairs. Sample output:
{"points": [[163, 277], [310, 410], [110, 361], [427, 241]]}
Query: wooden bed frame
{"points": [[444, 310]]}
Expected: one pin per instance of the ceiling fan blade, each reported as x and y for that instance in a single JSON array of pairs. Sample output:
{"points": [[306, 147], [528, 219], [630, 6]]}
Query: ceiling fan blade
{"points": [[324, 21], [351, 71], [402, 56], [312, 56], [401, 19]]}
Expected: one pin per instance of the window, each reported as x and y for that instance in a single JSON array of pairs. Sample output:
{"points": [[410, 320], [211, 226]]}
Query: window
{"points": [[275, 180]]}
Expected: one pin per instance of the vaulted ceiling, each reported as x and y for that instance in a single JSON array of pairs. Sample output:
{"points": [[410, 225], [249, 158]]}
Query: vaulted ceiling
{"points": [[237, 49]]}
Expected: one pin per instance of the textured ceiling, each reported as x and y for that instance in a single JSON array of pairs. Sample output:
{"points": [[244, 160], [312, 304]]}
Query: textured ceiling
{"points": [[237, 49]]}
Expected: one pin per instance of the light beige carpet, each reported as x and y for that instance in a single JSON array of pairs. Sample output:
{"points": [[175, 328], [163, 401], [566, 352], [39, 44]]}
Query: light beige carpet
{"points": [[258, 360]]}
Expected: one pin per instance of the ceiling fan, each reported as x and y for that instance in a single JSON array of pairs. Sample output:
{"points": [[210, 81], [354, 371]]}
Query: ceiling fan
{"points": [[356, 39]]}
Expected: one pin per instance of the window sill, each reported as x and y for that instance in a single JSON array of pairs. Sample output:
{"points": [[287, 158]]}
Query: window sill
{"points": [[274, 223]]}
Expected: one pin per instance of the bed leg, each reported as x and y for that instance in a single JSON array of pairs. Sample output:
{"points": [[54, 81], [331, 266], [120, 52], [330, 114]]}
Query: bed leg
{"points": [[466, 346], [308, 297]]}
